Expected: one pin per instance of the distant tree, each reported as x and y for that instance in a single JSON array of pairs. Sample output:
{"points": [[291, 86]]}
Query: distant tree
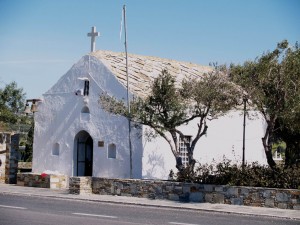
{"points": [[169, 106], [272, 83], [11, 104], [12, 118]]}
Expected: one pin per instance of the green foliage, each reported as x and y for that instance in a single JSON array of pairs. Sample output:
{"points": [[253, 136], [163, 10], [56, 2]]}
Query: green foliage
{"points": [[29, 145], [12, 100], [255, 175], [11, 105], [272, 83], [12, 97], [165, 104], [212, 94]]}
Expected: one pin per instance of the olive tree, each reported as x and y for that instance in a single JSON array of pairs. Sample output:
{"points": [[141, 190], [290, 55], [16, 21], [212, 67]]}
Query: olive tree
{"points": [[170, 106], [272, 83]]}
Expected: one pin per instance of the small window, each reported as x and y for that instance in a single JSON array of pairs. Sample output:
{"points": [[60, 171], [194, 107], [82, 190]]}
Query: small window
{"points": [[86, 88], [55, 150], [85, 109], [183, 151], [85, 115], [112, 151]]}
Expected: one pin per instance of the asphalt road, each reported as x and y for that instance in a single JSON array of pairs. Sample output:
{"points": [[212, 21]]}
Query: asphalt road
{"points": [[28, 210]]}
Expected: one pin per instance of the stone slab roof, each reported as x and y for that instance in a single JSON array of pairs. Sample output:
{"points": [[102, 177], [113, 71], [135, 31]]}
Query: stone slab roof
{"points": [[143, 69]]}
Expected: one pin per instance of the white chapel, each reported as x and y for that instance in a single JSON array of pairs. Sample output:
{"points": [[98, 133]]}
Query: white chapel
{"points": [[74, 136]]}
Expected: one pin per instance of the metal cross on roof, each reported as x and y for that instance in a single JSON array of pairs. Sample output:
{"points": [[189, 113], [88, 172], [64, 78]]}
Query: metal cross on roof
{"points": [[93, 36]]}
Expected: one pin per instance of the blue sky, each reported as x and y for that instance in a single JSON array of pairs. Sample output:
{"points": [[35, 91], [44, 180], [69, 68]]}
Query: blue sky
{"points": [[41, 39]]}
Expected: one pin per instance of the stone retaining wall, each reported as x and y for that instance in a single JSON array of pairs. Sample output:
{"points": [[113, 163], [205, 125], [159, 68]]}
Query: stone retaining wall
{"points": [[188, 192], [2, 166], [11, 161], [175, 191], [80, 185], [42, 180]]}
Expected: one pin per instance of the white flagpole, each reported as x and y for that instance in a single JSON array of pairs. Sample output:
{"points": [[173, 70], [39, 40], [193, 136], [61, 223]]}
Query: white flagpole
{"points": [[128, 100]]}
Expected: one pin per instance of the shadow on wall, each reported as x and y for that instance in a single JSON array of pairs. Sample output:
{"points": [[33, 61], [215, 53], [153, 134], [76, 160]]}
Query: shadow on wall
{"points": [[156, 166]]}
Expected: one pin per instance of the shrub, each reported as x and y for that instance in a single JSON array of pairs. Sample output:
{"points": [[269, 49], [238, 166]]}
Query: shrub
{"points": [[255, 175]]}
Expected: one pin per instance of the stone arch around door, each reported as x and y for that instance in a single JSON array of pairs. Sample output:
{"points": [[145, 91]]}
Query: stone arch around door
{"points": [[83, 154]]}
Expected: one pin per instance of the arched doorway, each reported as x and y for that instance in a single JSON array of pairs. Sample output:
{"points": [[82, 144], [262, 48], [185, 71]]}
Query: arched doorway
{"points": [[83, 144]]}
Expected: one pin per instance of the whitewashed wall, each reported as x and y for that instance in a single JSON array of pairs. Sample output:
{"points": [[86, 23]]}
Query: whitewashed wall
{"points": [[224, 139], [59, 119]]}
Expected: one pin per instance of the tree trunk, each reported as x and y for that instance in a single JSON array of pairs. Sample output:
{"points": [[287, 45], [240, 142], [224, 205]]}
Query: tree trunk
{"points": [[270, 159], [267, 143], [191, 167], [179, 164]]}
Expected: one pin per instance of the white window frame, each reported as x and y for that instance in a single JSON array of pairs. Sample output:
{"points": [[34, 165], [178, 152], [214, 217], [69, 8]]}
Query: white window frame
{"points": [[183, 153]]}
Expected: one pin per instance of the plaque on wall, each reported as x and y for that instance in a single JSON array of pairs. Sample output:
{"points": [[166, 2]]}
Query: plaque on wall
{"points": [[100, 143]]}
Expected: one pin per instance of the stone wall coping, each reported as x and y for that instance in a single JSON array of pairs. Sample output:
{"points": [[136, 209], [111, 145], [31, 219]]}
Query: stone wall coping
{"points": [[24, 165], [48, 174], [191, 184]]}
